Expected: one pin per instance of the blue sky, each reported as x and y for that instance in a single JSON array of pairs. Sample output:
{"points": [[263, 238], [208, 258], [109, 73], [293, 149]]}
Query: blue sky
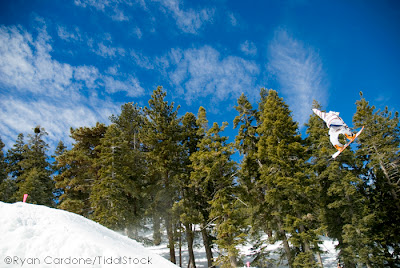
{"points": [[72, 63]]}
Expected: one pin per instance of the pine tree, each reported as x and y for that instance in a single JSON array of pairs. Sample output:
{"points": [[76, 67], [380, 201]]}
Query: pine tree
{"points": [[246, 143], [117, 196], [12, 170], [7, 184], [219, 170], [79, 169], [15, 156], [58, 169], [3, 164], [35, 178], [286, 205], [186, 207], [163, 138], [378, 152], [339, 199], [252, 192], [201, 187]]}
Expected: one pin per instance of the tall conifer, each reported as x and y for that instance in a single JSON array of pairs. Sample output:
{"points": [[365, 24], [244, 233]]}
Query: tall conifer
{"points": [[378, 150], [79, 170], [35, 178], [186, 207], [286, 205], [162, 136], [3, 164], [338, 200], [117, 196], [15, 156]]}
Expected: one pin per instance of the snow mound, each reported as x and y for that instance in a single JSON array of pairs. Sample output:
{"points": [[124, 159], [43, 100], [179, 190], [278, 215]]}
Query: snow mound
{"points": [[38, 236]]}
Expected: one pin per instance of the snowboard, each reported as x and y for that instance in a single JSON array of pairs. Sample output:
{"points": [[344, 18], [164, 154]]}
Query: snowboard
{"points": [[347, 144]]}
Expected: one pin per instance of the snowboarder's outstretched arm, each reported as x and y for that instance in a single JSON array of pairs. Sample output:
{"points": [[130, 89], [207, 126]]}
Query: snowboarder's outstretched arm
{"points": [[322, 115]]}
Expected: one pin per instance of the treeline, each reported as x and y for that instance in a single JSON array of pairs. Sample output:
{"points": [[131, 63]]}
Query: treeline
{"points": [[178, 172]]}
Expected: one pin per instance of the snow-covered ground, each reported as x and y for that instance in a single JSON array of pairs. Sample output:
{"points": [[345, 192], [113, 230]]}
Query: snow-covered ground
{"points": [[328, 257], [38, 236]]}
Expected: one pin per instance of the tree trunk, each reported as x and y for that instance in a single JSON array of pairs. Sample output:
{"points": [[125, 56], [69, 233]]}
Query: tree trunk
{"points": [[180, 245], [286, 247], [156, 230], [207, 246], [171, 242], [233, 260], [190, 238], [320, 263]]}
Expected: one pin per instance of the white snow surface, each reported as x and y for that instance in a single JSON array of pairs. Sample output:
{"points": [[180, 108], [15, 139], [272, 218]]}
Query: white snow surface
{"points": [[38, 236]]}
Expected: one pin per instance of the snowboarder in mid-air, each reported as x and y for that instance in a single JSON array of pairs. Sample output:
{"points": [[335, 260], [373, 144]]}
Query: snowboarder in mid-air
{"points": [[336, 127]]}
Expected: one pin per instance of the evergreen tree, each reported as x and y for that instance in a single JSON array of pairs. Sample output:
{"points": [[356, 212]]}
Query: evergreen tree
{"points": [[35, 178], [131, 122], [80, 172], [118, 195], [219, 170], [58, 169], [163, 138], [339, 200], [15, 156], [201, 186], [378, 149], [286, 204], [7, 184], [186, 207], [246, 142], [3, 164]]}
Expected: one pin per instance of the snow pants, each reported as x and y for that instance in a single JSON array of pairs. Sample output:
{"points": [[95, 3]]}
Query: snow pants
{"points": [[336, 130]]}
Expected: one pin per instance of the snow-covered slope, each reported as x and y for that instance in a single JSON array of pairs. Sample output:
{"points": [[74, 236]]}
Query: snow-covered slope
{"points": [[38, 236]]}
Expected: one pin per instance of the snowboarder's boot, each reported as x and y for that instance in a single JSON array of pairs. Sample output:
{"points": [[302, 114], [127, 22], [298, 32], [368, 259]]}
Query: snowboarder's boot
{"points": [[338, 147], [350, 137]]}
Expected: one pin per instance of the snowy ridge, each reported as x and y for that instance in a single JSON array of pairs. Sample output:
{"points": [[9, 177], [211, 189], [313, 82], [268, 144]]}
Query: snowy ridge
{"points": [[38, 236]]}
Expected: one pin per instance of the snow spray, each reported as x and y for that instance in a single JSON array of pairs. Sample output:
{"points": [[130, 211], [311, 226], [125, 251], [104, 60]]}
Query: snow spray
{"points": [[25, 197]]}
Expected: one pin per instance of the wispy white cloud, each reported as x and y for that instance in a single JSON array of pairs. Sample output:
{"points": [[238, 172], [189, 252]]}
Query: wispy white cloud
{"points": [[55, 115], [249, 48], [188, 20], [37, 89], [110, 7], [204, 72], [299, 71], [232, 19], [130, 86], [141, 60], [108, 51], [69, 35]]}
